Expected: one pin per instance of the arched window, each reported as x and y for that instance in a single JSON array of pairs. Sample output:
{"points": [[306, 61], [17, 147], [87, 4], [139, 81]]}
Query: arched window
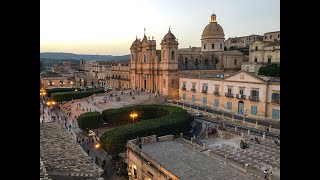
{"points": [[172, 55], [235, 62], [216, 61], [256, 48], [144, 58], [206, 60]]}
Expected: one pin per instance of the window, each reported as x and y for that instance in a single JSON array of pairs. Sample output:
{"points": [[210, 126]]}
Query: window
{"points": [[204, 46], [193, 98], [275, 97], [278, 35], [61, 82], [254, 93], [184, 84], [275, 113], [212, 46], [269, 60], [265, 37], [216, 89], [256, 48], [216, 102], [172, 55], [229, 90], [185, 60], [144, 58], [255, 59], [184, 96], [193, 85], [270, 36], [205, 87], [241, 91], [204, 100], [235, 62], [253, 110], [229, 105], [220, 46]]}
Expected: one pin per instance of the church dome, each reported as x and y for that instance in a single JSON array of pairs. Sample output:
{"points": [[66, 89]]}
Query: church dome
{"points": [[213, 29], [169, 35]]}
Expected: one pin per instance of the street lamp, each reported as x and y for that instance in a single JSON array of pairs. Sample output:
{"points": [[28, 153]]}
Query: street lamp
{"points": [[133, 115], [97, 145]]}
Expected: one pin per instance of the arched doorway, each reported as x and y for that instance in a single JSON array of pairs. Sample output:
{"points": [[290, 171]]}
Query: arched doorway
{"points": [[241, 107]]}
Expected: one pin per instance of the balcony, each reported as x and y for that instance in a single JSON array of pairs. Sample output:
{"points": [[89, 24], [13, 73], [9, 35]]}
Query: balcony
{"points": [[254, 98], [217, 93], [229, 95], [241, 96], [204, 91], [183, 88], [276, 101], [193, 89]]}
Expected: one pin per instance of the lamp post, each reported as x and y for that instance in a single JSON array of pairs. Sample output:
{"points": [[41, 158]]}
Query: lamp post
{"points": [[133, 115]]}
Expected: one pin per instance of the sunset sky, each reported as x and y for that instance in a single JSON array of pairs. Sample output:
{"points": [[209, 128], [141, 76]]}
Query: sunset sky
{"points": [[110, 26]]}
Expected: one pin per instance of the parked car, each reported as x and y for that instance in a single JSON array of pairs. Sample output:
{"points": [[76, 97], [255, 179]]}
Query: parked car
{"points": [[198, 114]]}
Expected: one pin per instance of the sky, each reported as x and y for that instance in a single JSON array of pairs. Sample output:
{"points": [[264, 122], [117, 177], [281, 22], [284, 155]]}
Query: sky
{"points": [[108, 27]]}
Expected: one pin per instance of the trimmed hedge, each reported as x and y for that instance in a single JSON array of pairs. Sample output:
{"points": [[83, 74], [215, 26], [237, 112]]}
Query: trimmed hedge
{"points": [[90, 120], [68, 96], [122, 115], [176, 120], [50, 91]]}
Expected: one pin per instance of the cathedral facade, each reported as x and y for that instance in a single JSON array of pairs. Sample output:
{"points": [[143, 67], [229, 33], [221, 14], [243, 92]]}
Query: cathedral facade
{"points": [[156, 71]]}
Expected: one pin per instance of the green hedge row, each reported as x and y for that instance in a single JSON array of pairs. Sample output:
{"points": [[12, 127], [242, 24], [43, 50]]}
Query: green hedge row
{"points": [[90, 120], [122, 115], [176, 120], [50, 91], [68, 96]]}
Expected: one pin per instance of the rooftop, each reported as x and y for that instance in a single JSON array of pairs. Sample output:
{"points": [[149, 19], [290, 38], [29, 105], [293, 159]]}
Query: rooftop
{"points": [[192, 165], [61, 155]]}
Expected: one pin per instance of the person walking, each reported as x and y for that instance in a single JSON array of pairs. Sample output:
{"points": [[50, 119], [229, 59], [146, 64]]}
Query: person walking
{"points": [[265, 172]]}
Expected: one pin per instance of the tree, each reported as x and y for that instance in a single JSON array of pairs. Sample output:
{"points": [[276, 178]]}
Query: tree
{"points": [[272, 70]]}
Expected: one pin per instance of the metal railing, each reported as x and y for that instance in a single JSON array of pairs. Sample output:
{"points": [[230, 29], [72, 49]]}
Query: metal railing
{"points": [[241, 96], [217, 93], [229, 94], [254, 98]]}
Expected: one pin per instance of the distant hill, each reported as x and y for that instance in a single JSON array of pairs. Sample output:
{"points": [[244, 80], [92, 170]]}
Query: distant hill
{"points": [[60, 56]]}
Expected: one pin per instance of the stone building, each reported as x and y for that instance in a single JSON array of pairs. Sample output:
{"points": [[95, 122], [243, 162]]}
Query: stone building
{"points": [[62, 158], [262, 53], [118, 76], [156, 70], [169, 158], [51, 80], [240, 93], [241, 42], [271, 36]]}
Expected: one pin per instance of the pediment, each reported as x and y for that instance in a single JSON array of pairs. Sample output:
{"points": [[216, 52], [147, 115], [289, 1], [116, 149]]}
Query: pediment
{"points": [[243, 76]]}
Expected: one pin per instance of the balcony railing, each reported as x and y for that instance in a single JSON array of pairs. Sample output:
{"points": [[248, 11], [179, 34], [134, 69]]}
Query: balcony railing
{"points": [[241, 96], [193, 90], [204, 91], [276, 101], [254, 98], [217, 93], [183, 88], [229, 95]]}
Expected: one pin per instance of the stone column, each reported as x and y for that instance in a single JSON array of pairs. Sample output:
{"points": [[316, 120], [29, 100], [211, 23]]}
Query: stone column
{"points": [[256, 124], [204, 145], [264, 136], [249, 132], [181, 134]]}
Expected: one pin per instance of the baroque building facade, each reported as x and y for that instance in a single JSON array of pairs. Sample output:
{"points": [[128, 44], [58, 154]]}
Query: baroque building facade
{"points": [[156, 71]]}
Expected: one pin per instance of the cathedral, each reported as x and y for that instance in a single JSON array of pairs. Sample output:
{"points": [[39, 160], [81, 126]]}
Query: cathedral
{"points": [[156, 71]]}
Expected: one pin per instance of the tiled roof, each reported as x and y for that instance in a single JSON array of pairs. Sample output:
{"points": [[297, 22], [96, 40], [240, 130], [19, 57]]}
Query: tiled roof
{"points": [[62, 155]]}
